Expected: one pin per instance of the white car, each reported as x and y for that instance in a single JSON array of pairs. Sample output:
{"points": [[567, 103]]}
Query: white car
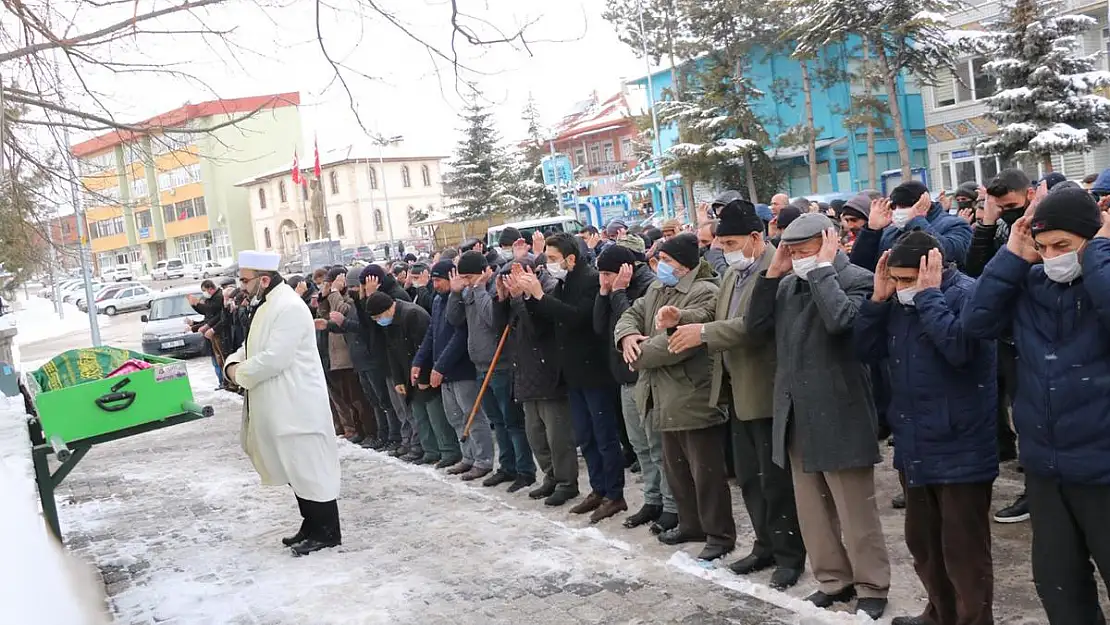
{"points": [[207, 269], [131, 298], [77, 291], [169, 269], [120, 273]]}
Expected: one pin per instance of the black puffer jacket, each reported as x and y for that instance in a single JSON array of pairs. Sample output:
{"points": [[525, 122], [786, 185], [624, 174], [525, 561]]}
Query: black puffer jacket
{"points": [[608, 310], [532, 348], [354, 331]]}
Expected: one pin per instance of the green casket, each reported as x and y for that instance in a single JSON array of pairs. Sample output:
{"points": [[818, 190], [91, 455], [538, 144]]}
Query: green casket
{"points": [[75, 399]]}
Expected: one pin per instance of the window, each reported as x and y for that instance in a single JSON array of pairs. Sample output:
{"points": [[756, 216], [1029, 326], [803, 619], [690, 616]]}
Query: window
{"points": [[607, 150], [98, 163], [281, 192], [595, 153], [179, 177], [333, 182], [579, 157], [339, 229], [185, 209], [195, 249], [106, 227], [262, 199], [965, 166], [626, 149], [426, 174], [406, 179], [266, 237], [221, 241], [971, 82], [378, 220], [373, 175], [142, 219], [138, 188]]}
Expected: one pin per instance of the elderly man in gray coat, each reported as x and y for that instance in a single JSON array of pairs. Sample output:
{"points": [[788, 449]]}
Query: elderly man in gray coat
{"points": [[824, 415]]}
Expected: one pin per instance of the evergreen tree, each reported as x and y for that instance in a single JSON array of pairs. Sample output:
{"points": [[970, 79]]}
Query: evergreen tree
{"points": [[532, 197], [1046, 102], [479, 182]]}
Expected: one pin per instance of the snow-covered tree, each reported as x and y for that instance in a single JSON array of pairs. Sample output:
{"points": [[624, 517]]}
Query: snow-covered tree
{"points": [[531, 197], [480, 180], [905, 37], [1046, 102]]}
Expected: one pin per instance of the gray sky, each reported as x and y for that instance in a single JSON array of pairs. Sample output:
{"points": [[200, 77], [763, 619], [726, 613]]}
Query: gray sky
{"points": [[274, 49]]}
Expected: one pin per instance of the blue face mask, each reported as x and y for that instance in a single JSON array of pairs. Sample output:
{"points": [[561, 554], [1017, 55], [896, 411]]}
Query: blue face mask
{"points": [[665, 273], [384, 321]]}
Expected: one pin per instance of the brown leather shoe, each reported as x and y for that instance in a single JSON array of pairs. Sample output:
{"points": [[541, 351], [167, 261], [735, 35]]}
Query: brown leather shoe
{"points": [[608, 508], [474, 474], [459, 468], [589, 504]]}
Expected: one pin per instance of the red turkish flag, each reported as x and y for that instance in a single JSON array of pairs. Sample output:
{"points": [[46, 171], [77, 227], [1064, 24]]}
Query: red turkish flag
{"points": [[296, 169], [316, 169]]}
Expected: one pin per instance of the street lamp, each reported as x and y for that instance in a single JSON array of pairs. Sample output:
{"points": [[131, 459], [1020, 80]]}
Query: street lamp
{"points": [[654, 119], [382, 141]]}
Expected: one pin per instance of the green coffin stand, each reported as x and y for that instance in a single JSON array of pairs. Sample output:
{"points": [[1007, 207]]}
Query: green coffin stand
{"points": [[75, 401]]}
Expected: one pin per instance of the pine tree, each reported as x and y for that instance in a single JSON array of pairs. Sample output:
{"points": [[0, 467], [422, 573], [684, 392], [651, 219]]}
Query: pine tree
{"points": [[532, 197], [479, 182], [1045, 103]]}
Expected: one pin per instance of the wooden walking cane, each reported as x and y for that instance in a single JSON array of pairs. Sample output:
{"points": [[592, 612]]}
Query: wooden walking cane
{"points": [[485, 384]]}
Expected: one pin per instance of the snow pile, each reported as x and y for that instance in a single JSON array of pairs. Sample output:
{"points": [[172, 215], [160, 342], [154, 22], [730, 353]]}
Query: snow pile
{"points": [[36, 320]]}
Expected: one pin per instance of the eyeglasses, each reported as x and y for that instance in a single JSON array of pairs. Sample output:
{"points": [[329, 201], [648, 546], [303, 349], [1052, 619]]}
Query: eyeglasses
{"points": [[246, 281]]}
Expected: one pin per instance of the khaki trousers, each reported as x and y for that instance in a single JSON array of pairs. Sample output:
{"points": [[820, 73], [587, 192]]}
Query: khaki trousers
{"points": [[841, 529]]}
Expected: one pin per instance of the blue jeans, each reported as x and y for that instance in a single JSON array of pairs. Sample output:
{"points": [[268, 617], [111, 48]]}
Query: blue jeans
{"points": [[597, 434], [506, 417], [219, 371]]}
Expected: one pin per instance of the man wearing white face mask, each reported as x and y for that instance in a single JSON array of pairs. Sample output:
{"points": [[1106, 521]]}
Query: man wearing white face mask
{"points": [[909, 208], [743, 378], [1060, 315], [824, 414], [942, 410]]}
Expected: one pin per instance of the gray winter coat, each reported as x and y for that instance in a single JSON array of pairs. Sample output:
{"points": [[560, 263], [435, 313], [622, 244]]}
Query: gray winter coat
{"points": [[818, 379], [473, 309]]}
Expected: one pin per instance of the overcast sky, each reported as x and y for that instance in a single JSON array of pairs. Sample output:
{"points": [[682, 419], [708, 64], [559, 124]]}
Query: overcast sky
{"points": [[274, 49]]}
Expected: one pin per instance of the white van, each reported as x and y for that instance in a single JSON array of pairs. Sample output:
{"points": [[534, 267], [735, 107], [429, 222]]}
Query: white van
{"points": [[546, 225], [168, 269]]}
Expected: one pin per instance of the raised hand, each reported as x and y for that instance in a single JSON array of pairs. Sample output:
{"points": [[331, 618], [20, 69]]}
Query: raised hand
{"points": [[371, 285], [1038, 195], [945, 200], [881, 214], [780, 264], [520, 249], [1104, 231], [667, 317], [830, 244], [922, 205], [1021, 240], [502, 288], [884, 286], [624, 278], [929, 273], [605, 282], [458, 283], [539, 243]]}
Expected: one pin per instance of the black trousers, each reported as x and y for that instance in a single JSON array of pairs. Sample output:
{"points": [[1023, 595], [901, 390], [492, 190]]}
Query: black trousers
{"points": [[768, 493], [694, 465], [1007, 385], [1069, 531], [321, 520]]}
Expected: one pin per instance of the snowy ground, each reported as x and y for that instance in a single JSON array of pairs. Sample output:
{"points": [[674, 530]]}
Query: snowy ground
{"points": [[183, 534]]}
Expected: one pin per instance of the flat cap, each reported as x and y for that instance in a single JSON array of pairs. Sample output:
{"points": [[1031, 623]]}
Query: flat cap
{"points": [[806, 227]]}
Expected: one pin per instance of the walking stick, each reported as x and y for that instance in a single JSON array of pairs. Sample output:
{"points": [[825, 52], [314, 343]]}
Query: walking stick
{"points": [[485, 384]]}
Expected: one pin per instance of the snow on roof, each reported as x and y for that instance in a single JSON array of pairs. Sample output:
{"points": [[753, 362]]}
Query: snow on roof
{"points": [[349, 153], [612, 113]]}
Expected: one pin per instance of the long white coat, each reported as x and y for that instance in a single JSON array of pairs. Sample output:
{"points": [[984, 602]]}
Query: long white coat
{"points": [[287, 428]]}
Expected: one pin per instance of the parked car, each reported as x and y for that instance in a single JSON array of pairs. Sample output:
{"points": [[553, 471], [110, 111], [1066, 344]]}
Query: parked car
{"points": [[207, 269], [164, 328], [104, 293], [546, 225], [119, 273], [77, 291], [169, 269], [131, 298]]}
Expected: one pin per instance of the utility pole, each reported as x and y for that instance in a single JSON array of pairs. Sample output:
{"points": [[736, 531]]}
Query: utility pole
{"points": [[654, 117], [382, 141]]}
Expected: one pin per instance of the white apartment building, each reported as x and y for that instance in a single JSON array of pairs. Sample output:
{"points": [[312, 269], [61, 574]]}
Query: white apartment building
{"points": [[367, 200], [955, 112]]}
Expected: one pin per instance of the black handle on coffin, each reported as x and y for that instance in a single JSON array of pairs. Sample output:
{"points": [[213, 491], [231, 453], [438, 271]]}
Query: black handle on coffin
{"points": [[114, 402]]}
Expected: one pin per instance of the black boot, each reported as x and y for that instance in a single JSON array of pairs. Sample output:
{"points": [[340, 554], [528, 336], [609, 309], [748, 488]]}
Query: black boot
{"points": [[312, 545], [647, 514], [289, 541], [544, 491], [666, 521]]}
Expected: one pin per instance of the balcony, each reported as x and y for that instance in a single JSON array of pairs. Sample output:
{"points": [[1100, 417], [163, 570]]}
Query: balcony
{"points": [[608, 168]]}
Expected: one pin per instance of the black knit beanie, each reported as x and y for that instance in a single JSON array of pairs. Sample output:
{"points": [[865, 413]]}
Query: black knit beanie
{"points": [[910, 247], [683, 248], [378, 303], [907, 194], [472, 263], [335, 272], [1070, 210], [613, 256]]}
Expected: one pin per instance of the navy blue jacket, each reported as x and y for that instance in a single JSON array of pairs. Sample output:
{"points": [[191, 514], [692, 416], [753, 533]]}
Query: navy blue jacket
{"points": [[444, 346], [953, 233], [942, 407], [1062, 334]]}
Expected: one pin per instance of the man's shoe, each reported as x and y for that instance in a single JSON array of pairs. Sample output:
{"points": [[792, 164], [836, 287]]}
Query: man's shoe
{"points": [[380, 445], [784, 578], [400, 451], [825, 600], [521, 482], [635, 468], [910, 620], [871, 606], [390, 447], [498, 477], [751, 563], [714, 552], [608, 508], [677, 536], [666, 521], [312, 545], [474, 474], [589, 504], [289, 541], [1015, 512], [356, 439], [460, 468], [447, 463], [898, 502], [426, 459], [544, 490], [560, 497], [413, 455], [646, 514], [368, 443]]}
